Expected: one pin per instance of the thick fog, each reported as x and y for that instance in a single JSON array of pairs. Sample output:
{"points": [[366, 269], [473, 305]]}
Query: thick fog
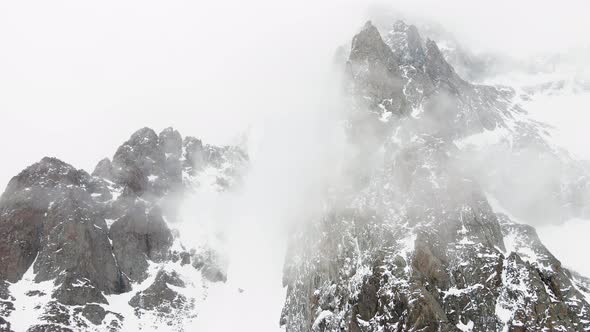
{"points": [[72, 72], [77, 78]]}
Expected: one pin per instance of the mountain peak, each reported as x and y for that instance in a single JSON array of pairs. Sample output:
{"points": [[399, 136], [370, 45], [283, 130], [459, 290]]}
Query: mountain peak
{"points": [[368, 25], [170, 141], [400, 26], [406, 42], [54, 161], [85, 237], [368, 44], [375, 69], [47, 172], [143, 136], [103, 169], [438, 67]]}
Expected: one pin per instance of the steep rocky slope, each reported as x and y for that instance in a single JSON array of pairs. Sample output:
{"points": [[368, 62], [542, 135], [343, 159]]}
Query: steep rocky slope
{"points": [[414, 244], [85, 252]]}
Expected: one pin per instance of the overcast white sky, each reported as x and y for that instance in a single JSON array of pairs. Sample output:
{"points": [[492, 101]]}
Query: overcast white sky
{"points": [[78, 77]]}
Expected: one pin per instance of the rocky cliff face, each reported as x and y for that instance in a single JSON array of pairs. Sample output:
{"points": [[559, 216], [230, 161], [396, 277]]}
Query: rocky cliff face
{"points": [[75, 244], [416, 245]]}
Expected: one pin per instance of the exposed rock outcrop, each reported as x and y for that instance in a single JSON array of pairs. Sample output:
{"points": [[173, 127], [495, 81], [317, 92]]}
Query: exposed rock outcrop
{"points": [[416, 246], [72, 240]]}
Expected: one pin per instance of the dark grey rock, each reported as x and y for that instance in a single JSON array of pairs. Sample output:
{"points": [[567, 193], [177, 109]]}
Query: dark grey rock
{"points": [[415, 245], [54, 215], [94, 313], [76, 242], [4, 325], [43, 209], [76, 290], [56, 313], [161, 299], [374, 69], [104, 169], [171, 143], [139, 235], [49, 328], [193, 158]]}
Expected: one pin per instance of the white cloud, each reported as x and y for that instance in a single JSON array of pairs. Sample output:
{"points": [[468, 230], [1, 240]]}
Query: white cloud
{"points": [[569, 243], [76, 78]]}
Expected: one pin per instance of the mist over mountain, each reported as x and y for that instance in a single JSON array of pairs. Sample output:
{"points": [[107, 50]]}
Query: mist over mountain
{"points": [[399, 188]]}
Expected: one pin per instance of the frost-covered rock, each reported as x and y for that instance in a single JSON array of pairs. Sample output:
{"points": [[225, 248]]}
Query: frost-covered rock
{"points": [[78, 249], [416, 245]]}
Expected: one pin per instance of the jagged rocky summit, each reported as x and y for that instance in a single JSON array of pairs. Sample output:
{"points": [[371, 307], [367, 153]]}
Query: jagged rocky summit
{"points": [[83, 252], [419, 242]]}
